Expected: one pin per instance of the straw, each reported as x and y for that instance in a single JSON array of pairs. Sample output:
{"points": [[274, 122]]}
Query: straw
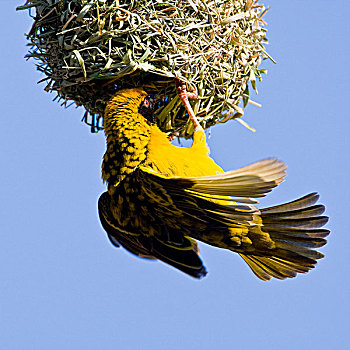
{"points": [[88, 49]]}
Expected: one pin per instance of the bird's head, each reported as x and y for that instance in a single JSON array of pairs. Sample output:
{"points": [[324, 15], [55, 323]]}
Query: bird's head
{"points": [[146, 108], [130, 102]]}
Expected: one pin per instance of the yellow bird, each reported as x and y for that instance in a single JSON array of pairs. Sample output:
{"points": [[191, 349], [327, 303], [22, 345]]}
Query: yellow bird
{"points": [[162, 198]]}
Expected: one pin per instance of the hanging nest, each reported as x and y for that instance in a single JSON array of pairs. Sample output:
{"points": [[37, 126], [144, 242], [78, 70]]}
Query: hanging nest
{"points": [[89, 49]]}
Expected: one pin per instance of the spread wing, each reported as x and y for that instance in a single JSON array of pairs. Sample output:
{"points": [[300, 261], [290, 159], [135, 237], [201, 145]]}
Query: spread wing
{"points": [[154, 216]]}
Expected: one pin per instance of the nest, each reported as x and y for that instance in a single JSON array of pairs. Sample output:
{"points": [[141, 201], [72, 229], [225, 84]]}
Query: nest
{"points": [[88, 49]]}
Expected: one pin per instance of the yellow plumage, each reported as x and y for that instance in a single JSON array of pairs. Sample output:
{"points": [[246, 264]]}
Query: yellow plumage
{"points": [[161, 198], [179, 161]]}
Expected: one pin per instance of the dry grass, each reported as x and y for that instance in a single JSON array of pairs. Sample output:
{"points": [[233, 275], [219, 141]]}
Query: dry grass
{"points": [[87, 49]]}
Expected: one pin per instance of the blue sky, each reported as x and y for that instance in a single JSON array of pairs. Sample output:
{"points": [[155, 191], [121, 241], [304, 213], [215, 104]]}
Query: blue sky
{"points": [[63, 286]]}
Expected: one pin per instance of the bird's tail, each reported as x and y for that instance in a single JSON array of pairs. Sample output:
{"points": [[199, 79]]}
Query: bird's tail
{"points": [[294, 228]]}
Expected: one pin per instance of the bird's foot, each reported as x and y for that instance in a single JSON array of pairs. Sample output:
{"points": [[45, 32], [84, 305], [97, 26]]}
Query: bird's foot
{"points": [[184, 95]]}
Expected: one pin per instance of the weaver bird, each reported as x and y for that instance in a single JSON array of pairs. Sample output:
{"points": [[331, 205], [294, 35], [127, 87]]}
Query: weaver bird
{"points": [[162, 198]]}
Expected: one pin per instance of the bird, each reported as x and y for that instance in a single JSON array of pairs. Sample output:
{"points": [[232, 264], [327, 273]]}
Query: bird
{"points": [[161, 199]]}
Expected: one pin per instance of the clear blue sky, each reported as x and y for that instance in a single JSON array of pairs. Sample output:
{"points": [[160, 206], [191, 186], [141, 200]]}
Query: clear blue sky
{"points": [[63, 286]]}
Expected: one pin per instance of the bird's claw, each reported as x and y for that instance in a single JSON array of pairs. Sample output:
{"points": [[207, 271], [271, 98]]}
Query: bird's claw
{"points": [[184, 95], [181, 88]]}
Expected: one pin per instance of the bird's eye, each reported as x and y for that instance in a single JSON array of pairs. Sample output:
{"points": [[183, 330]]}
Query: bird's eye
{"points": [[146, 103], [146, 109]]}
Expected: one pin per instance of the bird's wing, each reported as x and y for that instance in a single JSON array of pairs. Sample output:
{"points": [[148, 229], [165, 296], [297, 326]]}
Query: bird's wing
{"points": [[275, 242], [140, 235], [252, 181], [204, 208], [115, 233]]}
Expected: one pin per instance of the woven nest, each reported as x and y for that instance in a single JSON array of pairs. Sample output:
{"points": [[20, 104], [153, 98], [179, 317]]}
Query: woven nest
{"points": [[88, 49]]}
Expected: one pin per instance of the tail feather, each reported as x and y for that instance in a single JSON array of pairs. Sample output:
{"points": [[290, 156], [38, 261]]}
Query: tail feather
{"points": [[288, 268], [300, 203], [295, 248], [265, 269], [305, 223], [300, 233], [294, 228], [313, 211], [302, 242]]}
